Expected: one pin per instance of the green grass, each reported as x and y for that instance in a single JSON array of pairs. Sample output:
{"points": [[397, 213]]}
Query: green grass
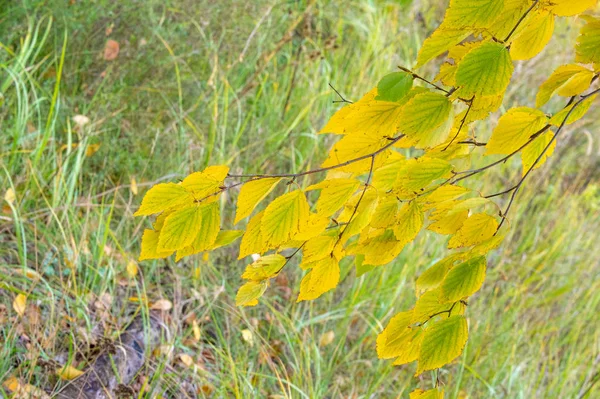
{"points": [[206, 82]]}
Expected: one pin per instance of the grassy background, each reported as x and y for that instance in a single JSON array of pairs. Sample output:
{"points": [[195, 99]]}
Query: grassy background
{"points": [[246, 83]]}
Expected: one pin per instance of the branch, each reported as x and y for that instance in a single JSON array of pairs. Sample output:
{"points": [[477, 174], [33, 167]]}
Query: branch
{"points": [[520, 20], [343, 100]]}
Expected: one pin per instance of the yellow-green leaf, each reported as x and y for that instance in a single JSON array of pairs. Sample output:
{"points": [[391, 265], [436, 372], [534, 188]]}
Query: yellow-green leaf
{"points": [[534, 37], [485, 70], [410, 221], [162, 197], [433, 276], [477, 228], [514, 129], [150, 246], [249, 293], [392, 340], [386, 213], [68, 372], [264, 267], [318, 248], [410, 352], [323, 277], [588, 42], [419, 173], [578, 111], [210, 224], [449, 223], [429, 305], [441, 40], [180, 229], [443, 342], [205, 183], [472, 14], [334, 193], [251, 194], [566, 80], [20, 304], [226, 237], [534, 150], [351, 147], [283, 218], [463, 280], [422, 115]]}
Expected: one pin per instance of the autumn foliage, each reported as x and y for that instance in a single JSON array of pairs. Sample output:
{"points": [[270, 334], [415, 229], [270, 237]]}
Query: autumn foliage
{"points": [[368, 199]]}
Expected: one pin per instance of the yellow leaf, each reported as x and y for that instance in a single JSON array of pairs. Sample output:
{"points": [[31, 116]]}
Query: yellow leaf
{"points": [[381, 249], [507, 19], [68, 372], [317, 224], [476, 229], [443, 342], [163, 197], [567, 8], [386, 213], [334, 193], [249, 293], [410, 352], [588, 42], [410, 222], [441, 195], [264, 267], [568, 80], [449, 223], [20, 304], [435, 393], [251, 194], [132, 269], [514, 129], [9, 196], [366, 117], [318, 248], [351, 147], [180, 229], [133, 186], [12, 384], [186, 359], [91, 149], [207, 232], [362, 216], [252, 241], [485, 70], [535, 149], [196, 331], [226, 237], [283, 218], [150, 246], [323, 277], [534, 37], [463, 280], [205, 183], [440, 41], [392, 340]]}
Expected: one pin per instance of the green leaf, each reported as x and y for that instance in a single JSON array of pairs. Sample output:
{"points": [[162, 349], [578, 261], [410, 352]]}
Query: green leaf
{"points": [[251, 194], [162, 197], [443, 342], [463, 280], [485, 70], [180, 229], [429, 305], [283, 218], [588, 43], [433, 276], [419, 173], [394, 86]]}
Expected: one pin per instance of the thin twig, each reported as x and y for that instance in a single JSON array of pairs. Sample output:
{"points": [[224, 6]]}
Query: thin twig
{"points": [[342, 99], [461, 123], [520, 20], [416, 76]]}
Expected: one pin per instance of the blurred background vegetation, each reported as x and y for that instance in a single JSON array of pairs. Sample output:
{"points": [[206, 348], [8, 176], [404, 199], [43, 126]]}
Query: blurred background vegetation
{"points": [[84, 131]]}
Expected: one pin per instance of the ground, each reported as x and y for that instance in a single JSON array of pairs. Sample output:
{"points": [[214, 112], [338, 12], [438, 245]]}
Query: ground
{"points": [[246, 83]]}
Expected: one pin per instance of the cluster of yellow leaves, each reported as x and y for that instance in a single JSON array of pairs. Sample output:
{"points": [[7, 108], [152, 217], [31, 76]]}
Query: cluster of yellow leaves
{"points": [[375, 199]]}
